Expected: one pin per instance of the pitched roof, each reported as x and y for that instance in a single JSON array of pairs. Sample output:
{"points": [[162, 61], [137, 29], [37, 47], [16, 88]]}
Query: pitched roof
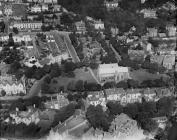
{"points": [[111, 68]]}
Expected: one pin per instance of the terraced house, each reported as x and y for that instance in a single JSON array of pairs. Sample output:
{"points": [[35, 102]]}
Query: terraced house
{"points": [[26, 26]]}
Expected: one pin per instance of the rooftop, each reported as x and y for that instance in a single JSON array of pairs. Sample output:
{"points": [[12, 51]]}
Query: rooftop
{"points": [[169, 59], [111, 68]]}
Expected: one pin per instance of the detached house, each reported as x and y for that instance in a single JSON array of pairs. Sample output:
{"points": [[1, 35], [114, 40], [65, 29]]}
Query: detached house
{"points": [[152, 32], [149, 13], [112, 72], [171, 30], [98, 25], [39, 8], [8, 10], [169, 61], [26, 117], [80, 27], [136, 54]]}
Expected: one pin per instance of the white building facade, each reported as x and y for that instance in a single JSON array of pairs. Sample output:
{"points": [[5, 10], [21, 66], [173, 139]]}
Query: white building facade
{"points": [[112, 72], [26, 26]]}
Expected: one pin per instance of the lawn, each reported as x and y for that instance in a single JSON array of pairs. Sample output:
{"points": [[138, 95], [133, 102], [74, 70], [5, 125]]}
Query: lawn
{"points": [[141, 75], [80, 74]]}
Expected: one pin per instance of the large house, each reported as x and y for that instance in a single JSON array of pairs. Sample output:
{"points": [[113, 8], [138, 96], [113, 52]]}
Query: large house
{"points": [[152, 32], [39, 8], [11, 86], [57, 103], [26, 117], [8, 10], [26, 26], [112, 72]]}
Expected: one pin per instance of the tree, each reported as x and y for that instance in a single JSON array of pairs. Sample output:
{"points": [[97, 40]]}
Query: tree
{"points": [[131, 110], [63, 114], [97, 117], [165, 105], [92, 86], [18, 104], [55, 70], [149, 125], [66, 19], [93, 65], [29, 72], [115, 108], [11, 40], [2, 26], [71, 86], [3, 92], [132, 5], [15, 30], [132, 83], [69, 66], [109, 85], [79, 86], [172, 135], [149, 107], [0, 106], [45, 87], [47, 79], [14, 67], [122, 84]]}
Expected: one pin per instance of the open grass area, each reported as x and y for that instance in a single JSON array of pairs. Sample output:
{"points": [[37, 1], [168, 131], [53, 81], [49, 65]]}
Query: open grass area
{"points": [[141, 75], [80, 74]]}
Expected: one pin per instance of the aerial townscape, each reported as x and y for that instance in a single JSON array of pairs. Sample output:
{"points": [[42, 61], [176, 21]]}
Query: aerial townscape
{"points": [[88, 70]]}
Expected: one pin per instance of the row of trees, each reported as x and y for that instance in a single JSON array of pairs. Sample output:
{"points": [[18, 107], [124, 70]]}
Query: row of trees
{"points": [[20, 130], [81, 86], [130, 83], [22, 104]]}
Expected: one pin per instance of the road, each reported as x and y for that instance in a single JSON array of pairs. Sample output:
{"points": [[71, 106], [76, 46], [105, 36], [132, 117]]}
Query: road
{"points": [[118, 57], [67, 43]]}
